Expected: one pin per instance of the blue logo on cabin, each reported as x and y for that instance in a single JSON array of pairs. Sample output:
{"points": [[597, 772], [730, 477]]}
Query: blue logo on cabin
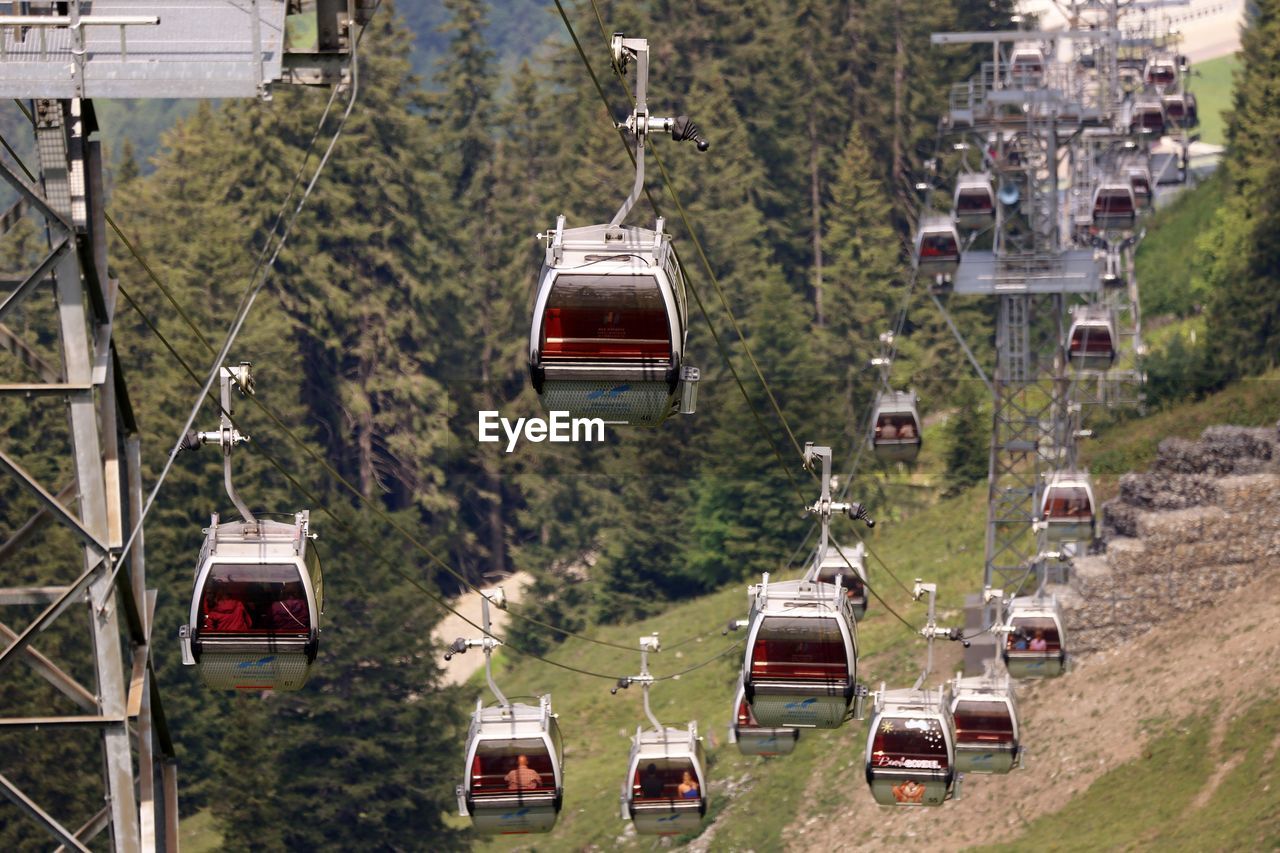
{"points": [[804, 706], [668, 818], [518, 814], [252, 664], [609, 393]]}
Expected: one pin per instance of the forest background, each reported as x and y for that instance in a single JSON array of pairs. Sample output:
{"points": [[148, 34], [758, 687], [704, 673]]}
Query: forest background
{"points": [[400, 308]]}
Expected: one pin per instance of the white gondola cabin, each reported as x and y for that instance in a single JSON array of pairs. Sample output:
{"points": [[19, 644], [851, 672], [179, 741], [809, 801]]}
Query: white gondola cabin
{"points": [[754, 739], [895, 426], [609, 326], [937, 246], [1114, 207], [1140, 183], [514, 782], [1161, 71], [1026, 65], [1146, 114], [848, 568], [1180, 109], [1067, 507], [255, 608], [665, 792], [975, 201], [910, 758], [1035, 638], [985, 715], [1091, 340], [801, 663]]}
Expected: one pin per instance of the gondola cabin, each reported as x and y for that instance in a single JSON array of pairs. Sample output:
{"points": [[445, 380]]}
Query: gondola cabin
{"points": [[1091, 340], [986, 724], [514, 781], [1067, 508], [937, 246], [1160, 72], [801, 662], [665, 792], [848, 568], [975, 201], [255, 608], [1146, 114], [610, 325], [755, 739], [1113, 205], [1026, 65], [1140, 183], [895, 426], [910, 758], [1035, 639], [1180, 109]]}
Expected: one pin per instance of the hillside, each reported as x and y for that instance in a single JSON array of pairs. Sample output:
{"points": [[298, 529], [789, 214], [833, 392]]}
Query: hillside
{"points": [[816, 799]]}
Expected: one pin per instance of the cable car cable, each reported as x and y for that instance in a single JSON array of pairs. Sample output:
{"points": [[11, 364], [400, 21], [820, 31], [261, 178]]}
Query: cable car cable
{"points": [[706, 264], [261, 273]]}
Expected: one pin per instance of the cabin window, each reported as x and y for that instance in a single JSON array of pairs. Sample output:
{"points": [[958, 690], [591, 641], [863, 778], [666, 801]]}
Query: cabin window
{"points": [[806, 649], [606, 317], [254, 598], [909, 743], [497, 768]]}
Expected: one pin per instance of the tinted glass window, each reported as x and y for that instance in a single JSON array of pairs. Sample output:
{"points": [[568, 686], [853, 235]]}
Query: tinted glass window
{"points": [[1025, 629], [1090, 338], [983, 718], [1070, 502], [660, 779], [254, 598], [497, 767], [606, 317], [909, 743], [799, 648]]}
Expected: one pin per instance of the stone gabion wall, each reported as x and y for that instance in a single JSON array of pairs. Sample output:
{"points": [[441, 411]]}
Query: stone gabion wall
{"points": [[1204, 519]]}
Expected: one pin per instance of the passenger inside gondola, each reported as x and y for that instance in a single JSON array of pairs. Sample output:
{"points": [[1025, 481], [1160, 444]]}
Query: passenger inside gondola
{"points": [[254, 598], [523, 777], [895, 426], [606, 317], [663, 778], [688, 788], [1068, 502], [224, 612], [939, 246], [518, 764], [1043, 632]]}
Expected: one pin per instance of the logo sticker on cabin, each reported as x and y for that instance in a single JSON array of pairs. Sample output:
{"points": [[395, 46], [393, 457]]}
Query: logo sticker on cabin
{"points": [[254, 664]]}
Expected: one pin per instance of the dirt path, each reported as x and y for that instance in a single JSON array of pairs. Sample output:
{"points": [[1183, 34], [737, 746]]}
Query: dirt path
{"points": [[451, 627], [1079, 726]]}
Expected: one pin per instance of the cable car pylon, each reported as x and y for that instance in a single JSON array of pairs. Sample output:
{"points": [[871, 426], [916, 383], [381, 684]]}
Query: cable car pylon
{"points": [[665, 790], [513, 775]]}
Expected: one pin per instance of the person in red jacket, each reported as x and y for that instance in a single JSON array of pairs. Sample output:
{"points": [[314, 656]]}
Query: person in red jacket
{"points": [[225, 612]]}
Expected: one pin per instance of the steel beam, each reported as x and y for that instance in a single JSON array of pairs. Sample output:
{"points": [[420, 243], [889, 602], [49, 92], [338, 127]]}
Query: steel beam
{"points": [[50, 672], [39, 815]]}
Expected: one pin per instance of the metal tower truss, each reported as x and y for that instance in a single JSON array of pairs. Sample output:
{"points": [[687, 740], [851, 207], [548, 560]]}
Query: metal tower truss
{"points": [[80, 611], [63, 383], [1031, 432]]}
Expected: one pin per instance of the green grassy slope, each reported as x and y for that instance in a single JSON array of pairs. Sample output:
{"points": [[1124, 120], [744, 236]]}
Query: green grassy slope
{"points": [[942, 543], [1153, 804], [1165, 268], [1212, 85]]}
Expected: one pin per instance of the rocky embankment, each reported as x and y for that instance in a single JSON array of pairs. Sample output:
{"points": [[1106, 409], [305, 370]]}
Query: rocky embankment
{"points": [[1203, 520]]}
